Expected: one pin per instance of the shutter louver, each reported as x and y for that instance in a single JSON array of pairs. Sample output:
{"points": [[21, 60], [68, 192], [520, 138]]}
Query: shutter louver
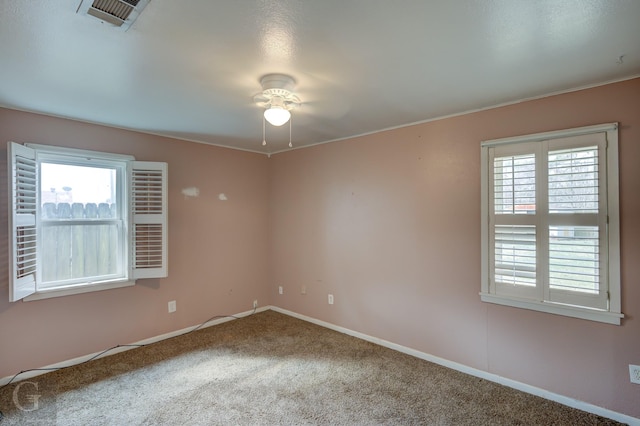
{"points": [[22, 221], [149, 217], [573, 180], [574, 258], [514, 184], [515, 255]]}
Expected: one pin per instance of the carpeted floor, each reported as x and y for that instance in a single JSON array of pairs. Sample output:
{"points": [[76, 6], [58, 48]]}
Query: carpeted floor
{"points": [[270, 369]]}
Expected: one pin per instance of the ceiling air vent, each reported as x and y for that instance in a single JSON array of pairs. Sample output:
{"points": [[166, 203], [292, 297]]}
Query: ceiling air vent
{"points": [[121, 13]]}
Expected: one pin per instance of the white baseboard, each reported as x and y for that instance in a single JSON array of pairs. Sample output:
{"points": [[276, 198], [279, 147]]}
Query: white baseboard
{"points": [[570, 402], [27, 374]]}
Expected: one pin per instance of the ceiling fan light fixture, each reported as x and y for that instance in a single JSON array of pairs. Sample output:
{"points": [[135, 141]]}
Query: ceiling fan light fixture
{"points": [[278, 99], [277, 96], [277, 115]]}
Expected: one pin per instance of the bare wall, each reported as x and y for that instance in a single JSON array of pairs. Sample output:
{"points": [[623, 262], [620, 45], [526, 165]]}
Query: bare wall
{"points": [[390, 224], [217, 261]]}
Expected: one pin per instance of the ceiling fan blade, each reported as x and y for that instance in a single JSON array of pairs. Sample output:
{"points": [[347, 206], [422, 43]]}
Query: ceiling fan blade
{"points": [[321, 97], [334, 108]]}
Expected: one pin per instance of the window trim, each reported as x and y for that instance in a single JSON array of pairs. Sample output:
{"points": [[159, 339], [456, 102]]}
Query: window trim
{"points": [[55, 155], [70, 290], [613, 314], [151, 189]]}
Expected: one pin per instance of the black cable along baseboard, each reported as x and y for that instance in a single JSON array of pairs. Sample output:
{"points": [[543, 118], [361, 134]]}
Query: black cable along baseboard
{"points": [[106, 351]]}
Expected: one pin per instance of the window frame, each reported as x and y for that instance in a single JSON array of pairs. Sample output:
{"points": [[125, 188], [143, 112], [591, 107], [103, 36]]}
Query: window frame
{"points": [[609, 171], [117, 163], [154, 176]]}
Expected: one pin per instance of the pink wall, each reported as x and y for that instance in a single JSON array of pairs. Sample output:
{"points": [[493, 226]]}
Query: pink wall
{"points": [[390, 224], [217, 262]]}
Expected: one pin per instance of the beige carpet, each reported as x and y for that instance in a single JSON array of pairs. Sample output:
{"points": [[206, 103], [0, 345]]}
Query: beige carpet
{"points": [[270, 369]]}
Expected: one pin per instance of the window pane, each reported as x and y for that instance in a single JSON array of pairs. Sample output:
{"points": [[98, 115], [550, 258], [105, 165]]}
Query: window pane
{"points": [[515, 255], [573, 180], [574, 258], [76, 186], [79, 251], [514, 184]]}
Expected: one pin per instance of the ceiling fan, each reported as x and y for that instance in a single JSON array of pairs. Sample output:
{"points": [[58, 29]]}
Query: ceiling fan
{"points": [[278, 99]]}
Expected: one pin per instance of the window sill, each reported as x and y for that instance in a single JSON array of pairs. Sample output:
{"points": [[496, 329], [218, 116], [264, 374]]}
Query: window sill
{"points": [[78, 289], [555, 308]]}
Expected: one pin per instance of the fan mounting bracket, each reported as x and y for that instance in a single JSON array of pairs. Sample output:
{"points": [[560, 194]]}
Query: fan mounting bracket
{"points": [[278, 86]]}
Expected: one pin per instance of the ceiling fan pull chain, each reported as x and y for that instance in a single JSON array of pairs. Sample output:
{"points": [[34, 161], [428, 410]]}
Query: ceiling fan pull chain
{"points": [[264, 140], [290, 144]]}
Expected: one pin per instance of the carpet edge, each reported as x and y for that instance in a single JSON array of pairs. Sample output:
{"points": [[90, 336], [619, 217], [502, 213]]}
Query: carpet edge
{"points": [[532, 390]]}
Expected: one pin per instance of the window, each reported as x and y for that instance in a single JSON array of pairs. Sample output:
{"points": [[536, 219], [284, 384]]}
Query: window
{"points": [[83, 221], [550, 227]]}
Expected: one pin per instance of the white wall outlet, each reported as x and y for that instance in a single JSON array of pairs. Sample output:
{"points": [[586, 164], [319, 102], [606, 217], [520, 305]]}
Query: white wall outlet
{"points": [[303, 289], [280, 290], [330, 299], [634, 373], [172, 306], [255, 303]]}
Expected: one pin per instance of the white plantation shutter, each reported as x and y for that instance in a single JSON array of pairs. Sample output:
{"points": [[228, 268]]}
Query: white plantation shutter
{"points": [[514, 184], [515, 255], [148, 205], [513, 221], [22, 221], [577, 221], [573, 180], [550, 227]]}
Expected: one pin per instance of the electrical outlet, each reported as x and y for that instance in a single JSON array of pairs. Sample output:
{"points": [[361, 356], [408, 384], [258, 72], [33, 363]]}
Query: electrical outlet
{"points": [[255, 303], [330, 299], [280, 290], [303, 290], [172, 306], [634, 373]]}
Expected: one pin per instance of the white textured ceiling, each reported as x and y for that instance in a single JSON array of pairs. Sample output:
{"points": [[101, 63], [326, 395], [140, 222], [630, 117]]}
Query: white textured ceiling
{"points": [[189, 69]]}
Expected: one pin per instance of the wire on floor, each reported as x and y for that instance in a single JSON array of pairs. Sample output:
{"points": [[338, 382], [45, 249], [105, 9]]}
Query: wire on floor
{"points": [[99, 354]]}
